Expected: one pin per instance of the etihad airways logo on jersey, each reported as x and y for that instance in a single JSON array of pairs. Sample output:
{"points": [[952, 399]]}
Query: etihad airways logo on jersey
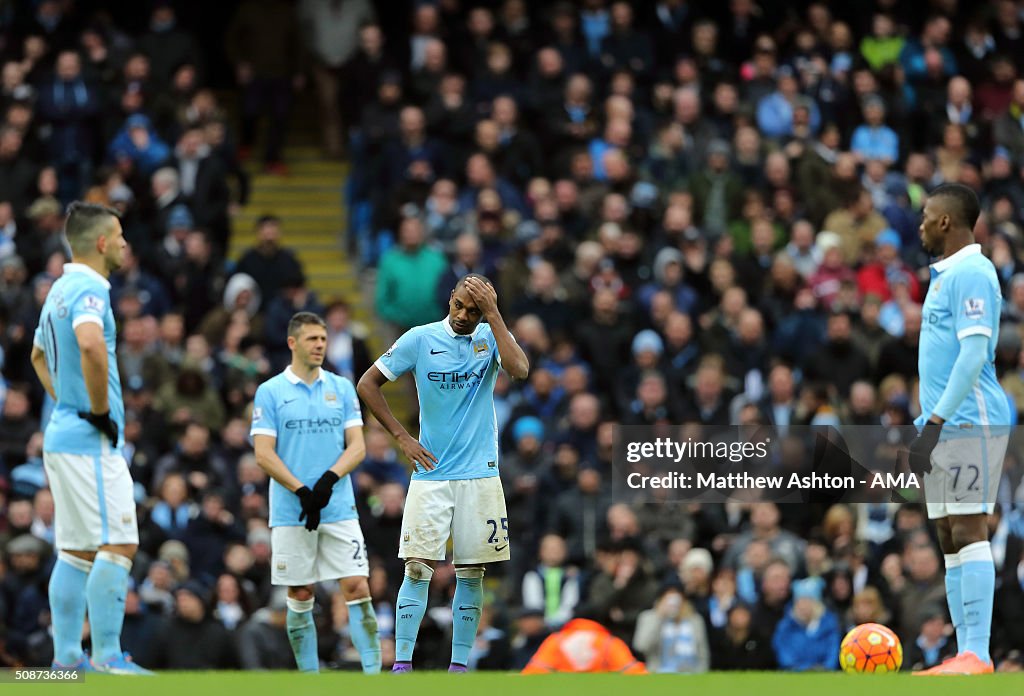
{"points": [[313, 426], [456, 380]]}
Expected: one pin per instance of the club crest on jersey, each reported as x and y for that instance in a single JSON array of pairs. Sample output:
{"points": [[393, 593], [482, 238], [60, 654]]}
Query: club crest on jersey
{"points": [[330, 397], [480, 349], [974, 308]]}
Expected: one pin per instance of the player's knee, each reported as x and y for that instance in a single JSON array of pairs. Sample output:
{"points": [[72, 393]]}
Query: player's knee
{"points": [[945, 534], [354, 589], [968, 531], [418, 570], [302, 593], [469, 572]]}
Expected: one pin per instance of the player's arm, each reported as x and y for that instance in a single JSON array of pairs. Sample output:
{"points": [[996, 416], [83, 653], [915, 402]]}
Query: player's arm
{"points": [[264, 439], [369, 389], [42, 372], [355, 452], [975, 316], [975, 309], [265, 447], [963, 377], [513, 359], [93, 348]]}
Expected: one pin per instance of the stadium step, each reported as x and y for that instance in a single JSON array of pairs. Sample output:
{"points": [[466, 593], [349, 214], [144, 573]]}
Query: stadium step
{"points": [[311, 205]]}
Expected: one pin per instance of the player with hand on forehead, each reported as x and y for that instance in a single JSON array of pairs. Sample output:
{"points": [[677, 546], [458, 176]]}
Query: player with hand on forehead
{"points": [[455, 490]]}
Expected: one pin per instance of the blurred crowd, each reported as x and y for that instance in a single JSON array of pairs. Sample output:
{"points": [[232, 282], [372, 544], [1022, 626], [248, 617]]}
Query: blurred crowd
{"points": [[693, 212]]}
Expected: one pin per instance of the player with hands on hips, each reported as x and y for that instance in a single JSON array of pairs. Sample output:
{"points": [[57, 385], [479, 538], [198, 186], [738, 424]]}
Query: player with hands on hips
{"points": [[74, 356]]}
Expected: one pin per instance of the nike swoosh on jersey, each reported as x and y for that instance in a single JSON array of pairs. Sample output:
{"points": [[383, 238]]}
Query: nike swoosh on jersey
{"points": [[404, 606], [437, 352], [501, 548]]}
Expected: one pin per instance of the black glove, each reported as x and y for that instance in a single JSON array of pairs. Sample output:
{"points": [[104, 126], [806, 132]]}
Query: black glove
{"points": [[324, 487], [922, 446], [310, 510], [102, 422]]}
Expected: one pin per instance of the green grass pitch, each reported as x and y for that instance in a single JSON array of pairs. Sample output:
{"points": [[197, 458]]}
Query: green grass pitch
{"points": [[496, 684]]}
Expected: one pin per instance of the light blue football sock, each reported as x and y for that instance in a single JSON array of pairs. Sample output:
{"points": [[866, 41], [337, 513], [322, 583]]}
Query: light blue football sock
{"points": [[412, 605], [466, 605], [67, 607], [979, 586], [105, 591], [362, 626], [302, 634], [955, 599]]}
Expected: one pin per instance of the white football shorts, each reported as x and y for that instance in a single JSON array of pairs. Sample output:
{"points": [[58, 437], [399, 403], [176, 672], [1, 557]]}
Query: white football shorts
{"points": [[964, 479], [470, 511], [300, 557], [93, 500]]}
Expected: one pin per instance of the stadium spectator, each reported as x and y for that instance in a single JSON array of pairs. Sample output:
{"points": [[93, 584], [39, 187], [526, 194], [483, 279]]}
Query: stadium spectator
{"points": [[71, 104], [739, 645], [208, 535], [203, 183], [622, 588], [399, 301], [923, 589], [808, 635], [933, 645], [172, 512], [138, 141], [267, 262], [263, 640], [24, 591], [552, 587], [672, 635], [264, 43], [191, 638]]}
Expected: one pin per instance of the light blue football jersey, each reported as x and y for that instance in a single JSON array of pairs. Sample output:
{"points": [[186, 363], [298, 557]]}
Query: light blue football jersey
{"points": [[455, 378], [309, 422], [964, 299], [80, 295]]}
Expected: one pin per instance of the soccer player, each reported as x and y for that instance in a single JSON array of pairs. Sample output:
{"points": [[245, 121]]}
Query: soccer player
{"points": [[307, 430], [455, 487], [96, 530], [964, 416]]}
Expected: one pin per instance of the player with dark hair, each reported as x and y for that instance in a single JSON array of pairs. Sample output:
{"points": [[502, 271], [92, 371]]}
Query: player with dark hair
{"points": [[307, 431], [964, 416], [455, 489], [94, 503]]}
